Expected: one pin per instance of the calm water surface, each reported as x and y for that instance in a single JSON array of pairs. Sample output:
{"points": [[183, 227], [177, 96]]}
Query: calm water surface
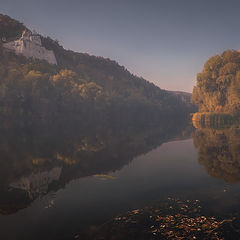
{"points": [[56, 201]]}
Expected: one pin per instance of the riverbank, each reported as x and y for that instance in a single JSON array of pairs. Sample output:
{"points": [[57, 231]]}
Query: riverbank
{"points": [[213, 120]]}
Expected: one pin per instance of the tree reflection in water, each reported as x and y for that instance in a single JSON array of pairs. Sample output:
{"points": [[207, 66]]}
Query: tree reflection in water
{"points": [[219, 151], [37, 159]]}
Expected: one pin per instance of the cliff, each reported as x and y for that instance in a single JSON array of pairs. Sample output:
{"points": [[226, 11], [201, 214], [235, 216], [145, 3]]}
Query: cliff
{"points": [[30, 46], [75, 86]]}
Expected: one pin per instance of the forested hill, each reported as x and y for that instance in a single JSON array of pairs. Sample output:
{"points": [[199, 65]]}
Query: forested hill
{"points": [[79, 85]]}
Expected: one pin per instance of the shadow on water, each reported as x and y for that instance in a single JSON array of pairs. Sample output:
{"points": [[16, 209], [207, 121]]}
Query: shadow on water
{"points": [[38, 159]]}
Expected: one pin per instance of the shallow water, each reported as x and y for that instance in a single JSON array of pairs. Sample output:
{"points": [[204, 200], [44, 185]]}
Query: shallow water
{"points": [[58, 200]]}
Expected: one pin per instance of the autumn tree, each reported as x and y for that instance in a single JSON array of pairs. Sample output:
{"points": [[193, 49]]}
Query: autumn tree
{"points": [[217, 88]]}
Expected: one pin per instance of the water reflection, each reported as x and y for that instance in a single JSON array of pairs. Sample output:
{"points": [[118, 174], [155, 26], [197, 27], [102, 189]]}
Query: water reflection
{"points": [[35, 161], [219, 151]]}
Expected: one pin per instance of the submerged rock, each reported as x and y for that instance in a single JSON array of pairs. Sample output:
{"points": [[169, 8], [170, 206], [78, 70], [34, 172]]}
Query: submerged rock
{"points": [[170, 219]]}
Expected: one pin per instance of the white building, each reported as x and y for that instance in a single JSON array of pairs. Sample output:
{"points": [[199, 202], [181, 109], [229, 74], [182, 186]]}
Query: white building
{"points": [[30, 46]]}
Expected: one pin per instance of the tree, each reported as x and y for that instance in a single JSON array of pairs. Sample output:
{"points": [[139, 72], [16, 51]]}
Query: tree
{"points": [[217, 88]]}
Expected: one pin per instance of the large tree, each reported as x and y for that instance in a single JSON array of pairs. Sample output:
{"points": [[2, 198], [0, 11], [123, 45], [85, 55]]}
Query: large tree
{"points": [[218, 85]]}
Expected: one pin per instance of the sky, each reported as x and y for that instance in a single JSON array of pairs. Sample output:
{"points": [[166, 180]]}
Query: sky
{"points": [[164, 41]]}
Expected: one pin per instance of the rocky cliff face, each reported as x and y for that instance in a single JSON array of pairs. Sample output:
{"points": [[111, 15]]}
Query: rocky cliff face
{"points": [[30, 46]]}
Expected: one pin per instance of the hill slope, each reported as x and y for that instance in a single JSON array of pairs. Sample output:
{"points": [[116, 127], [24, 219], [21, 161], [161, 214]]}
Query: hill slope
{"points": [[80, 86]]}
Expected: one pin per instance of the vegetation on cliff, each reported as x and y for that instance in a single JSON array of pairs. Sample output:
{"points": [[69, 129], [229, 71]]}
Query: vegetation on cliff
{"points": [[10, 28], [80, 87]]}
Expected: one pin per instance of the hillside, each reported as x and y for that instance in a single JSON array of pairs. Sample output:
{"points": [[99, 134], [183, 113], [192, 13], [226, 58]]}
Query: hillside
{"points": [[79, 87]]}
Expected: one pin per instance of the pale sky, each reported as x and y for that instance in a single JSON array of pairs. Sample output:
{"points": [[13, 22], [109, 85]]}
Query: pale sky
{"points": [[164, 41]]}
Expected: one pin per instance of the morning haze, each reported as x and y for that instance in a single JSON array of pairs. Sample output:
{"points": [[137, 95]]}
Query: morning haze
{"points": [[166, 42], [119, 120]]}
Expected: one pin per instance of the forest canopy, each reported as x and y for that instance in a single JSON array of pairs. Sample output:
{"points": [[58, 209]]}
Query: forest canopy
{"points": [[218, 85], [80, 87]]}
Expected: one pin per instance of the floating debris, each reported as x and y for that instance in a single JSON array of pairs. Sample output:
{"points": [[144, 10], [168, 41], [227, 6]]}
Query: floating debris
{"points": [[170, 219], [135, 211], [104, 177]]}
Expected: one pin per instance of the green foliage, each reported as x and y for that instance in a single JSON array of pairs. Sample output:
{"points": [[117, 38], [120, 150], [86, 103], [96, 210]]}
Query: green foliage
{"points": [[10, 28], [218, 85], [79, 87]]}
